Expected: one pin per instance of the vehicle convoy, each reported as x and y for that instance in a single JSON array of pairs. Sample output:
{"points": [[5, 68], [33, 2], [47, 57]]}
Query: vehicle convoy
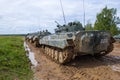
{"points": [[34, 37], [29, 37], [72, 40]]}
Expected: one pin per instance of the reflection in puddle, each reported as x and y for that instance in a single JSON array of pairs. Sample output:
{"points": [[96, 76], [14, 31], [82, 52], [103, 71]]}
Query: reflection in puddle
{"points": [[116, 68], [30, 55], [116, 57]]}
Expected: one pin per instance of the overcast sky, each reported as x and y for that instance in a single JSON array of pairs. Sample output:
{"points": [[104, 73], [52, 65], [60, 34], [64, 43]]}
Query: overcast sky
{"points": [[23, 16]]}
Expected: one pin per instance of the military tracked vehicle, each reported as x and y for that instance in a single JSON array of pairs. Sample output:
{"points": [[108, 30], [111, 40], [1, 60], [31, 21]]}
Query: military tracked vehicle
{"points": [[29, 37], [117, 38], [36, 36], [72, 40]]}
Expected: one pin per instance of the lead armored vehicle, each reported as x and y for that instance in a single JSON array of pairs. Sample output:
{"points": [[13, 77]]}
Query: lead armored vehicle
{"points": [[72, 40]]}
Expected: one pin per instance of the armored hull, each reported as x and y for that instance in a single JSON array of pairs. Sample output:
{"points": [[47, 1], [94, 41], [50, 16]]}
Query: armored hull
{"points": [[63, 47]]}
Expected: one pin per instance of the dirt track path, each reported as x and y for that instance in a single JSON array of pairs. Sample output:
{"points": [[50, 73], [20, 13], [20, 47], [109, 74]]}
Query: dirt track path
{"points": [[82, 68]]}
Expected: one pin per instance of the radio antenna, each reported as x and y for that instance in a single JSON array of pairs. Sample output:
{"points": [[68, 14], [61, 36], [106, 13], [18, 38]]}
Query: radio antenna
{"points": [[63, 12], [106, 2], [83, 13]]}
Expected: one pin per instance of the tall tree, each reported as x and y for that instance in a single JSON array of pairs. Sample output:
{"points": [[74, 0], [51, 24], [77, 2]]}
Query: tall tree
{"points": [[107, 20], [119, 30]]}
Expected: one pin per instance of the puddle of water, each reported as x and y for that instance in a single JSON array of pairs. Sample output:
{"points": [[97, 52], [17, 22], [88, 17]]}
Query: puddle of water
{"points": [[26, 47], [116, 57], [30, 54], [115, 68], [32, 59]]}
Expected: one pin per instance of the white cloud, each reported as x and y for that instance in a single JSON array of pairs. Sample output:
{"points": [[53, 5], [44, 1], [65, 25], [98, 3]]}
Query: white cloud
{"points": [[22, 16]]}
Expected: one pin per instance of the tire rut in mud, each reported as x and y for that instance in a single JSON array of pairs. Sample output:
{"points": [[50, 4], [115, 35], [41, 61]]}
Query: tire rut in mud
{"points": [[82, 68]]}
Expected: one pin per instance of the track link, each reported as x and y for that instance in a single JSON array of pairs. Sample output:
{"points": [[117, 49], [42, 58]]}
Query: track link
{"points": [[58, 55]]}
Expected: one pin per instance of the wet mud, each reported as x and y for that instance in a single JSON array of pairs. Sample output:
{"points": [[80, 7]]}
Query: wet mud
{"points": [[81, 68]]}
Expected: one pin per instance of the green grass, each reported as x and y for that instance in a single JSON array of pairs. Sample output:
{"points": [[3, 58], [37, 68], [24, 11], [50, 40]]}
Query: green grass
{"points": [[13, 61]]}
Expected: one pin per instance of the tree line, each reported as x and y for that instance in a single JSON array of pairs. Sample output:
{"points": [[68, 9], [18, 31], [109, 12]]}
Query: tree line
{"points": [[106, 20]]}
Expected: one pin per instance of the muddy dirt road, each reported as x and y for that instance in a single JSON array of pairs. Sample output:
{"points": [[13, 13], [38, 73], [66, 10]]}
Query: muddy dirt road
{"points": [[82, 68]]}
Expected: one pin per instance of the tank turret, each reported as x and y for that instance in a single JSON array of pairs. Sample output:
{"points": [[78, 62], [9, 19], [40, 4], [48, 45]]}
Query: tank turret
{"points": [[70, 27]]}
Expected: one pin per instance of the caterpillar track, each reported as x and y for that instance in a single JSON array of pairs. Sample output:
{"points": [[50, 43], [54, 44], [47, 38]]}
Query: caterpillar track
{"points": [[58, 55]]}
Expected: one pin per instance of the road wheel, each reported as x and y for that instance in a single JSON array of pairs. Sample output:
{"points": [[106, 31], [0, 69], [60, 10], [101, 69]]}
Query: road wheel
{"points": [[61, 57], [53, 53], [56, 55]]}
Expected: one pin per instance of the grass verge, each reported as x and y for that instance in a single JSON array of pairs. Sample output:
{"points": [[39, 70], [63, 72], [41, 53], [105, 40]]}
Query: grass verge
{"points": [[14, 65]]}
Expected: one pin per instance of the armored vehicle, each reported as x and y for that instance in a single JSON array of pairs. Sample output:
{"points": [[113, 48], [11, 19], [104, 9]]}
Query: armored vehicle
{"points": [[72, 40], [29, 37], [38, 36], [117, 38]]}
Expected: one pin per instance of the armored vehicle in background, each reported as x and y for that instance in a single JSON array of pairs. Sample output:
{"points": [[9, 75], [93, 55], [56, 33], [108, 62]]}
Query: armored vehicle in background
{"points": [[36, 36], [28, 37], [72, 40], [117, 38]]}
